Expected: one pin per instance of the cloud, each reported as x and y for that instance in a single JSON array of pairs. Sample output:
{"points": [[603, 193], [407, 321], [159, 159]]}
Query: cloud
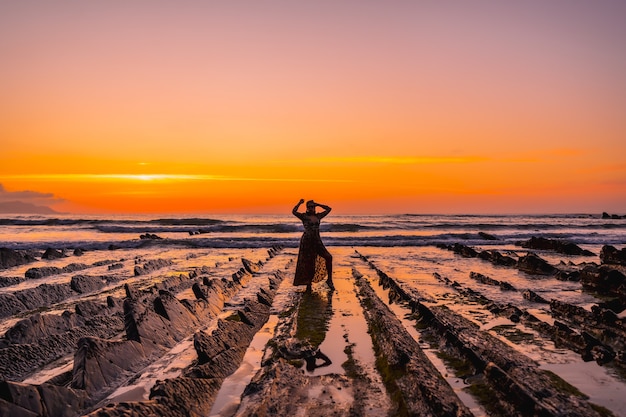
{"points": [[157, 178], [26, 202], [398, 160]]}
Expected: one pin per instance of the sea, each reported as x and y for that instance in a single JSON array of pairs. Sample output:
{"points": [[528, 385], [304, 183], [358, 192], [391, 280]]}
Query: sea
{"points": [[590, 231]]}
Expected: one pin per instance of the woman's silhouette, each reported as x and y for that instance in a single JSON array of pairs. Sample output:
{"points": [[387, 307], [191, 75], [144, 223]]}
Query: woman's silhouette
{"points": [[314, 261]]}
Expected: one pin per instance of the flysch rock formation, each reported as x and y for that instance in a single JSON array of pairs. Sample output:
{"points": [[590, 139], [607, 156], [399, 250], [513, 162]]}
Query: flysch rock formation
{"points": [[343, 352]]}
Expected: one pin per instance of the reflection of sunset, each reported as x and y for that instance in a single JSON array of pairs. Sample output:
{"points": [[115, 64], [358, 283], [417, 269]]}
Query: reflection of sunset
{"points": [[208, 108]]}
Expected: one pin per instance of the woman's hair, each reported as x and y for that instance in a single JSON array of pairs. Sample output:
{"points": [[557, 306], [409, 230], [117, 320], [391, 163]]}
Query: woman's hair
{"points": [[310, 203]]}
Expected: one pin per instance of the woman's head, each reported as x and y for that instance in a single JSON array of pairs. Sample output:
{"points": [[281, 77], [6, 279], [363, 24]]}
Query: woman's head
{"points": [[310, 206]]}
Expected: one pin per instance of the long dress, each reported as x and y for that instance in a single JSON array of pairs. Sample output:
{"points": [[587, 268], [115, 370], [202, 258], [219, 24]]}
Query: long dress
{"points": [[311, 266]]}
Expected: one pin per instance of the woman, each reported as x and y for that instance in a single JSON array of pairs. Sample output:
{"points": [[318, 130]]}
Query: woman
{"points": [[314, 261]]}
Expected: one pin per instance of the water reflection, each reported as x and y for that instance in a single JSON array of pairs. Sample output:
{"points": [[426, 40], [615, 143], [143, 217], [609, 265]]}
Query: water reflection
{"points": [[312, 323]]}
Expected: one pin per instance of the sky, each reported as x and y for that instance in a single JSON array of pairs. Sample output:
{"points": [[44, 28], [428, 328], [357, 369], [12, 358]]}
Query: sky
{"points": [[367, 106]]}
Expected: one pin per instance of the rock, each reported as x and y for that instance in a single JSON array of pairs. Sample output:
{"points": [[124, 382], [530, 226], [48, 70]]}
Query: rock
{"points": [[220, 353], [51, 253], [43, 295], [86, 283], [604, 280], [160, 325], [497, 258], [185, 396], [61, 401], [534, 297], [533, 264], [10, 258], [150, 236], [38, 325], [45, 271], [113, 267], [22, 399], [211, 294], [483, 278], [487, 236], [90, 308], [78, 252], [10, 305], [251, 267], [606, 215], [99, 363], [143, 408], [9, 281], [610, 255], [43, 400], [565, 247], [152, 266]]}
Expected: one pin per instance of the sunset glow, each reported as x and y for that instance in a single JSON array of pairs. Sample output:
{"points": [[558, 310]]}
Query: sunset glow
{"points": [[402, 107]]}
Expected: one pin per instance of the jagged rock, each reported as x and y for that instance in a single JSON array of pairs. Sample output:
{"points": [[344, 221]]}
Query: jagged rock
{"points": [[533, 264], [610, 255], [150, 236], [604, 279], [264, 298], [251, 267], [497, 258], [567, 248], [24, 398], [152, 266], [140, 408], [161, 325], [534, 297], [178, 316], [211, 294], [36, 273], [32, 298], [99, 363], [8, 281], [567, 275], [43, 295], [185, 396], [465, 251], [78, 252], [240, 275], [220, 353], [86, 283], [10, 305], [115, 266], [91, 308], [487, 236], [31, 329], [10, 258], [606, 215], [51, 253], [45, 400]]}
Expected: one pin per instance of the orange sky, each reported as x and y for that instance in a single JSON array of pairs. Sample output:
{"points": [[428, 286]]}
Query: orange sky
{"points": [[371, 107]]}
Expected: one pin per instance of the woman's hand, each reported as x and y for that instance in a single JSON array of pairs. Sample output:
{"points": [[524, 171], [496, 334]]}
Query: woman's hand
{"points": [[301, 201]]}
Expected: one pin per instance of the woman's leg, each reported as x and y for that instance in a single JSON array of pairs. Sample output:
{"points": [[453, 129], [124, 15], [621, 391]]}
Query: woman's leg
{"points": [[329, 268]]}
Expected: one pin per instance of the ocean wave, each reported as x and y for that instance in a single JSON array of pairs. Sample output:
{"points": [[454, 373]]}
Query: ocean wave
{"points": [[355, 240], [54, 221], [224, 227]]}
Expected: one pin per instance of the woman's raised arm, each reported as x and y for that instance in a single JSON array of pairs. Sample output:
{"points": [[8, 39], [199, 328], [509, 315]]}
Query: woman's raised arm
{"points": [[326, 209], [297, 206]]}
